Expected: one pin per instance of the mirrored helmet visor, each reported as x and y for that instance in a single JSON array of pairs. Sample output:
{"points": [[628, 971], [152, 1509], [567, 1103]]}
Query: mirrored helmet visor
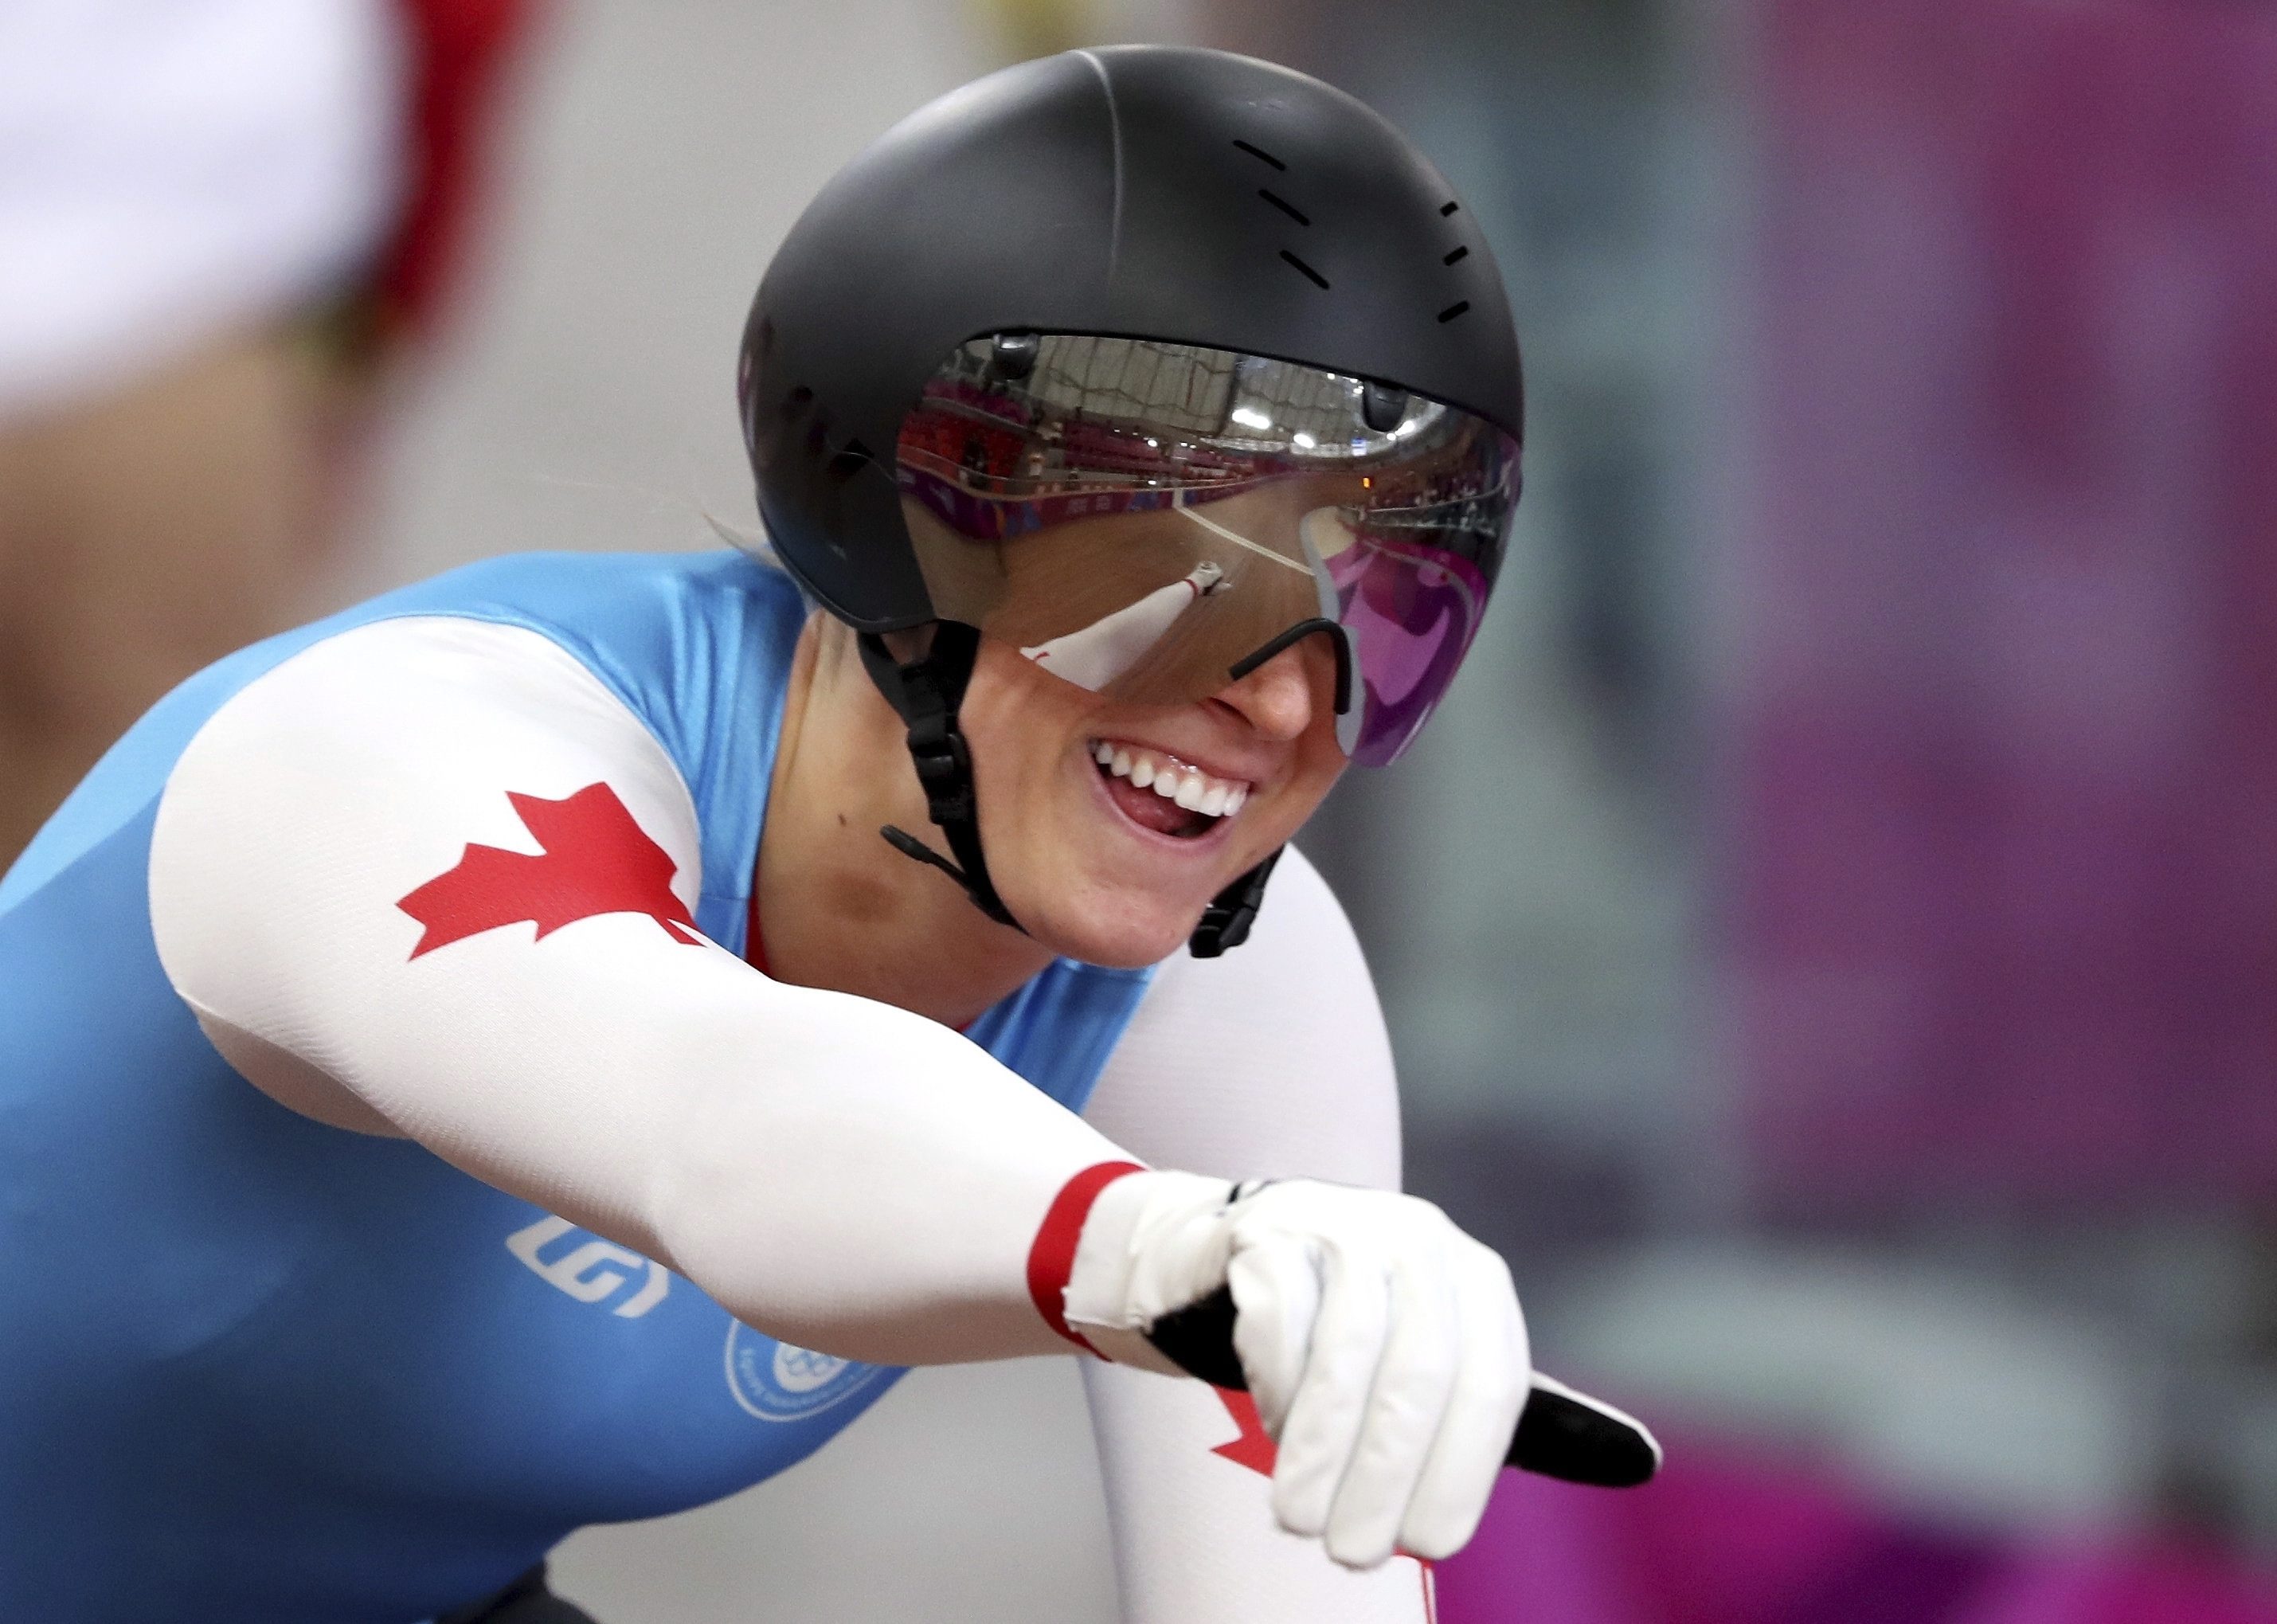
{"points": [[1151, 521]]}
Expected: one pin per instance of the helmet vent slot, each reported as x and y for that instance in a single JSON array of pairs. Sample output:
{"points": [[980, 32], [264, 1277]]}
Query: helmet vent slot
{"points": [[1448, 208], [1454, 309], [1457, 254], [1284, 206], [1311, 275], [845, 464], [1259, 152]]}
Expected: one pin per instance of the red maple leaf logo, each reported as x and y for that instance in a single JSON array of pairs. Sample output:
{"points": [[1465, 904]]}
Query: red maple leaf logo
{"points": [[1254, 1448], [595, 859]]}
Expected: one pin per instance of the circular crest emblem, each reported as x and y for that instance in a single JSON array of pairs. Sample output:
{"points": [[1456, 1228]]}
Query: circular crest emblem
{"points": [[780, 1381]]}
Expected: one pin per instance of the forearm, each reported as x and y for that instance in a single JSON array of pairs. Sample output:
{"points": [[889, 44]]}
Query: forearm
{"points": [[844, 1175]]}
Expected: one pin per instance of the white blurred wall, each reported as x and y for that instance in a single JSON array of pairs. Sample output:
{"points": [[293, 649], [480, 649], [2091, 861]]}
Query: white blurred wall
{"points": [[585, 396], [585, 400]]}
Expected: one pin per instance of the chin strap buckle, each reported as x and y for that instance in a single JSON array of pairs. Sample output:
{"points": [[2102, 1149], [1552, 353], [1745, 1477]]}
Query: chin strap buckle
{"points": [[1225, 923], [944, 766]]}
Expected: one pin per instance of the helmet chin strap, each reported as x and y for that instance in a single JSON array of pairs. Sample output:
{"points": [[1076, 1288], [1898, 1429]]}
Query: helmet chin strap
{"points": [[926, 692]]}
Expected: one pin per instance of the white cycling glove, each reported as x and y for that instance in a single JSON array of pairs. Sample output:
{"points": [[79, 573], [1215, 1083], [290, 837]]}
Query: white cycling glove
{"points": [[1384, 1346]]}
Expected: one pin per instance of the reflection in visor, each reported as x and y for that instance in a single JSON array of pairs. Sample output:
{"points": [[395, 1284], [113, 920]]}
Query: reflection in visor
{"points": [[1140, 518], [1104, 650]]}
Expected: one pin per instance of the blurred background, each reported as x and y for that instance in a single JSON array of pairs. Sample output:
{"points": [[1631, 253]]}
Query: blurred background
{"points": [[1829, 935]]}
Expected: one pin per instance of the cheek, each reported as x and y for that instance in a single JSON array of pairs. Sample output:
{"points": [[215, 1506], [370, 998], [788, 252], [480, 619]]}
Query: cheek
{"points": [[1022, 726], [1314, 773], [1318, 768]]}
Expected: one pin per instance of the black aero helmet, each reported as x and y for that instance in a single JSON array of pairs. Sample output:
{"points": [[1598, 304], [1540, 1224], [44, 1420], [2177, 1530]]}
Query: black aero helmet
{"points": [[1217, 325]]}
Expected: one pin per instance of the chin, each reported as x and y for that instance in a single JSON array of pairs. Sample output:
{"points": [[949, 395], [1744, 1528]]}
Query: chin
{"points": [[1114, 927]]}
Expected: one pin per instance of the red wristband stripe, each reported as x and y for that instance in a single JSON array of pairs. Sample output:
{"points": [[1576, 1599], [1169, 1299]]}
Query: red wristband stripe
{"points": [[1051, 1260]]}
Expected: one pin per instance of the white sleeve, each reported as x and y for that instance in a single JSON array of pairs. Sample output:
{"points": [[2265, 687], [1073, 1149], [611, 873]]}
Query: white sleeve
{"points": [[1272, 1062], [846, 1175]]}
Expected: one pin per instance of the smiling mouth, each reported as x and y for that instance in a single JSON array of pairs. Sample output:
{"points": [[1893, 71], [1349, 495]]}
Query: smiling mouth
{"points": [[1157, 791]]}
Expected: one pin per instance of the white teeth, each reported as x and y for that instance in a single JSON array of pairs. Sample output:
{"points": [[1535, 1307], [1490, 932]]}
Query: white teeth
{"points": [[1196, 791]]}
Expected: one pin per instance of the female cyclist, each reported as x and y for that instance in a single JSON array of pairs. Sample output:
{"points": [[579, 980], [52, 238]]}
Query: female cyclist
{"points": [[471, 1068]]}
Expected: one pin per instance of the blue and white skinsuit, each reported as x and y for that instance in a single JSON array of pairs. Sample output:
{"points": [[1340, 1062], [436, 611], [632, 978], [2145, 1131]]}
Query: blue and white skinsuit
{"points": [[326, 1217]]}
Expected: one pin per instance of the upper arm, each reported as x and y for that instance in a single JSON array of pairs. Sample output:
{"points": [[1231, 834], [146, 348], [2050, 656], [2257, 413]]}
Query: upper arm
{"points": [[1269, 1062], [411, 757], [438, 863]]}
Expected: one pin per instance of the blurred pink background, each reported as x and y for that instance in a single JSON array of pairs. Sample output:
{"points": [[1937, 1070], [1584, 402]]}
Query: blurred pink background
{"points": [[2004, 862]]}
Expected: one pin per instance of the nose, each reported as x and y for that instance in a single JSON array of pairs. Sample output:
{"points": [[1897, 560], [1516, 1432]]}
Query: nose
{"points": [[1279, 698]]}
